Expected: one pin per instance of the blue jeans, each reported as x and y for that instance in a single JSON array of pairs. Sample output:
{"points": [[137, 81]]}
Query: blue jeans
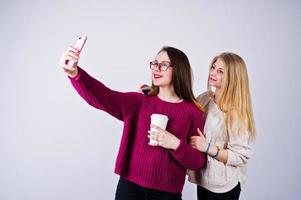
{"points": [[127, 190]]}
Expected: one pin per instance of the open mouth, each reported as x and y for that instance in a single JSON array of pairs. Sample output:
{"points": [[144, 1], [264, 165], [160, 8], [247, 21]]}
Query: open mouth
{"points": [[157, 76], [212, 79]]}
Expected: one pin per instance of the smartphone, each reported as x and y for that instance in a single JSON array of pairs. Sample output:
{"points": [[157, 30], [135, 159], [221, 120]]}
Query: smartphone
{"points": [[80, 43]]}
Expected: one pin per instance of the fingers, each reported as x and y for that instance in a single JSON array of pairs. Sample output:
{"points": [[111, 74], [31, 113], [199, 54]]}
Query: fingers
{"points": [[145, 89], [69, 60], [195, 141], [72, 56], [155, 135], [157, 128], [67, 56], [67, 68], [193, 146], [192, 141], [152, 135], [200, 132], [140, 89], [152, 141], [72, 52], [156, 138], [144, 86], [72, 49]]}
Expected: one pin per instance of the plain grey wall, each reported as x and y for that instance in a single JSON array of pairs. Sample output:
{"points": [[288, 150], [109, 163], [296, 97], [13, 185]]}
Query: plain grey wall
{"points": [[53, 146]]}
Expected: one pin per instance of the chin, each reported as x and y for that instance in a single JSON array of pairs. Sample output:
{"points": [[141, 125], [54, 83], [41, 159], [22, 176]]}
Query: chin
{"points": [[156, 83], [213, 84]]}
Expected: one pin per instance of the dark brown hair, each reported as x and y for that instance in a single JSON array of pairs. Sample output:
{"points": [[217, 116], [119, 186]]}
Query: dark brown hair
{"points": [[182, 75]]}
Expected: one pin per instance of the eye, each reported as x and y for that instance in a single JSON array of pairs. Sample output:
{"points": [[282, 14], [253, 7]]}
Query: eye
{"points": [[165, 65], [220, 71]]}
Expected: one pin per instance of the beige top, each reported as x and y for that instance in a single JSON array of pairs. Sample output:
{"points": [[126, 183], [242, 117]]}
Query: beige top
{"points": [[217, 176]]}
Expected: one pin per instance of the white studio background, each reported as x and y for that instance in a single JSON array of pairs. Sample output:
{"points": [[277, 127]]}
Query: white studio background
{"points": [[53, 146]]}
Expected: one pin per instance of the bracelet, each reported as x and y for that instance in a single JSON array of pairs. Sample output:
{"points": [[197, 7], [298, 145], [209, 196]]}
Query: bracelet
{"points": [[218, 149], [207, 148]]}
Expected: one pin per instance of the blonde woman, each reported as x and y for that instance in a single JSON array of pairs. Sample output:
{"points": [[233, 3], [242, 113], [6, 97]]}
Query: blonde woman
{"points": [[228, 131]]}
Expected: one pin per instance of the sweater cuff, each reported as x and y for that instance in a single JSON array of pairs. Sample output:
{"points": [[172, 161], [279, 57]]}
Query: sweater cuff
{"points": [[181, 152], [78, 75]]}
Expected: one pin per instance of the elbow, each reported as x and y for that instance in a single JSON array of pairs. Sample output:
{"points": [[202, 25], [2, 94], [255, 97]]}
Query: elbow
{"points": [[238, 158], [200, 163], [238, 162], [243, 162]]}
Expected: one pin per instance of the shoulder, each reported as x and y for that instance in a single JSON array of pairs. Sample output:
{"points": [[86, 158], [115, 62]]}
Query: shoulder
{"points": [[144, 99], [196, 115], [194, 110], [135, 96], [204, 98]]}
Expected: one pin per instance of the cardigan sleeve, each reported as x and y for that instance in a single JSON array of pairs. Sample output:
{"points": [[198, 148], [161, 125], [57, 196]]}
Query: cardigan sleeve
{"points": [[96, 94], [239, 149]]}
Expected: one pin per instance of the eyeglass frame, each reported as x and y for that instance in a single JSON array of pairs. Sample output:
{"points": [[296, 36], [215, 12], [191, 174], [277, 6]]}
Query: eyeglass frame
{"points": [[153, 64]]}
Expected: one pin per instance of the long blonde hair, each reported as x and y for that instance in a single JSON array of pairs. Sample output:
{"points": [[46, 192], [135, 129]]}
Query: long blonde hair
{"points": [[235, 99]]}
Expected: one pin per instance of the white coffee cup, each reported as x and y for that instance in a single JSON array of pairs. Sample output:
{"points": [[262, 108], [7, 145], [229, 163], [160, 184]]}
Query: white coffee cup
{"points": [[158, 120]]}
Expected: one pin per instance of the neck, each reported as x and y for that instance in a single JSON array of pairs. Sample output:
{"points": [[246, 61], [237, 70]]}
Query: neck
{"points": [[169, 95], [217, 95]]}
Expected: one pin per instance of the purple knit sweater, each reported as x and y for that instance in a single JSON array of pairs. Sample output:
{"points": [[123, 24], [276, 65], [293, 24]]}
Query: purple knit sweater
{"points": [[148, 166]]}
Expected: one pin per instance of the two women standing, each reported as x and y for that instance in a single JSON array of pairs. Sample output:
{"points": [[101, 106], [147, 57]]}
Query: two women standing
{"points": [[158, 171]]}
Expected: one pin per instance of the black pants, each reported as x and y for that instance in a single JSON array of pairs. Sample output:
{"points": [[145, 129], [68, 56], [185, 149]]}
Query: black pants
{"points": [[204, 194], [127, 190]]}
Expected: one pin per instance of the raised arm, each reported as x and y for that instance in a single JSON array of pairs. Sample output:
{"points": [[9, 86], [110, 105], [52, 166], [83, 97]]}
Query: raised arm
{"points": [[95, 93]]}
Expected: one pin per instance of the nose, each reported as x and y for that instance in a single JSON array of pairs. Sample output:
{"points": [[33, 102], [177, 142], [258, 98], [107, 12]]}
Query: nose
{"points": [[213, 71], [157, 68]]}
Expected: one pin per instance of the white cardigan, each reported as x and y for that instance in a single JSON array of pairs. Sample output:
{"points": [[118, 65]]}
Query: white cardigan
{"points": [[216, 176]]}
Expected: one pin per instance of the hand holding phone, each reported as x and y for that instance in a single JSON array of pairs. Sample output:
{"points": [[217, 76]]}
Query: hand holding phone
{"points": [[81, 41]]}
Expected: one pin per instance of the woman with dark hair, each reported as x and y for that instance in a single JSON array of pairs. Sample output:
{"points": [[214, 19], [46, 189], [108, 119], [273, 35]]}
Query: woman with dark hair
{"points": [[149, 170]]}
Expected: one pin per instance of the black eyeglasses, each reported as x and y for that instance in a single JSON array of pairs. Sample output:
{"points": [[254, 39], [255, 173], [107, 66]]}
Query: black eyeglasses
{"points": [[163, 66]]}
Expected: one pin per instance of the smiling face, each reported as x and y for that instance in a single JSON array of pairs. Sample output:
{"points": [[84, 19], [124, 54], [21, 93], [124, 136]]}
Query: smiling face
{"points": [[216, 74], [162, 78]]}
